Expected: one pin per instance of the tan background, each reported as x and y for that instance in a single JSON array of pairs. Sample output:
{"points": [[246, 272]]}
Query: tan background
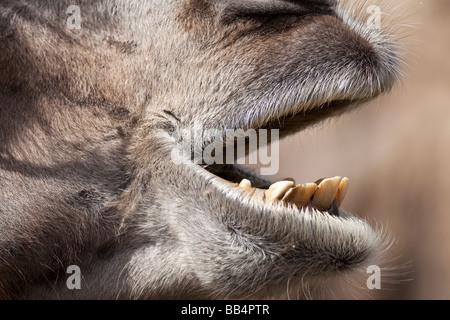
{"points": [[396, 152]]}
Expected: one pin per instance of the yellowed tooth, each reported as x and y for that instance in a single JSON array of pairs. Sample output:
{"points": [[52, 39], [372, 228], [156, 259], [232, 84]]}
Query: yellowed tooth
{"points": [[245, 184], [277, 190], [300, 195], [326, 192], [342, 191]]}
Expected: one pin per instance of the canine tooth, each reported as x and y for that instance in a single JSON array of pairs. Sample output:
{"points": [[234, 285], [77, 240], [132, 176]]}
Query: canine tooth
{"points": [[300, 195], [342, 191], [277, 190], [245, 184], [326, 192]]}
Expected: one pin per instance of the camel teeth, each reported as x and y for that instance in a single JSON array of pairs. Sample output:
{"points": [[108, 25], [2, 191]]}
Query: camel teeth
{"points": [[245, 184], [326, 193], [300, 195], [321, 195], [342, 191], [277, 190]]}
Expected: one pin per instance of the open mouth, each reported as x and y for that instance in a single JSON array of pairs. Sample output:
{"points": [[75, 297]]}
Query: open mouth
{"points": [[325, 195]]}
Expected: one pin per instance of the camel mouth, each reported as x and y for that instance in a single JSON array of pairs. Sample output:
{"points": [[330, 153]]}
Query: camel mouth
{"points": [[371, 70], [325, 195], [253, 208]]}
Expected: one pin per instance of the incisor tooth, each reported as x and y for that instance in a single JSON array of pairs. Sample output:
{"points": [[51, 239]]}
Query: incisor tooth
{"points": [[301, 194], [277, 190], [326, 192], [342, 191], [245, 184]]}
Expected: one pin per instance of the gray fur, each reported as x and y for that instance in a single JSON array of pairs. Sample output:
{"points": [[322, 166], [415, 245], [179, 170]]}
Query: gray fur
{"points": [[86, 123]]}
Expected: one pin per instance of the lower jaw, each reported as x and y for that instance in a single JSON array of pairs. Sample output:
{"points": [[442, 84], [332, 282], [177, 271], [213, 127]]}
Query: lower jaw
{"points": [[269, 220]]}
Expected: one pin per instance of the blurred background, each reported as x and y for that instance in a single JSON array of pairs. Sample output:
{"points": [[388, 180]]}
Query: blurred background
{"points": [[396, 153]]}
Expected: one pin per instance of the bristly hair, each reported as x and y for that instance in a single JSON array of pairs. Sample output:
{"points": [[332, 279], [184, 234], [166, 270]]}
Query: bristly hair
{"points": [[398, 22]]}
